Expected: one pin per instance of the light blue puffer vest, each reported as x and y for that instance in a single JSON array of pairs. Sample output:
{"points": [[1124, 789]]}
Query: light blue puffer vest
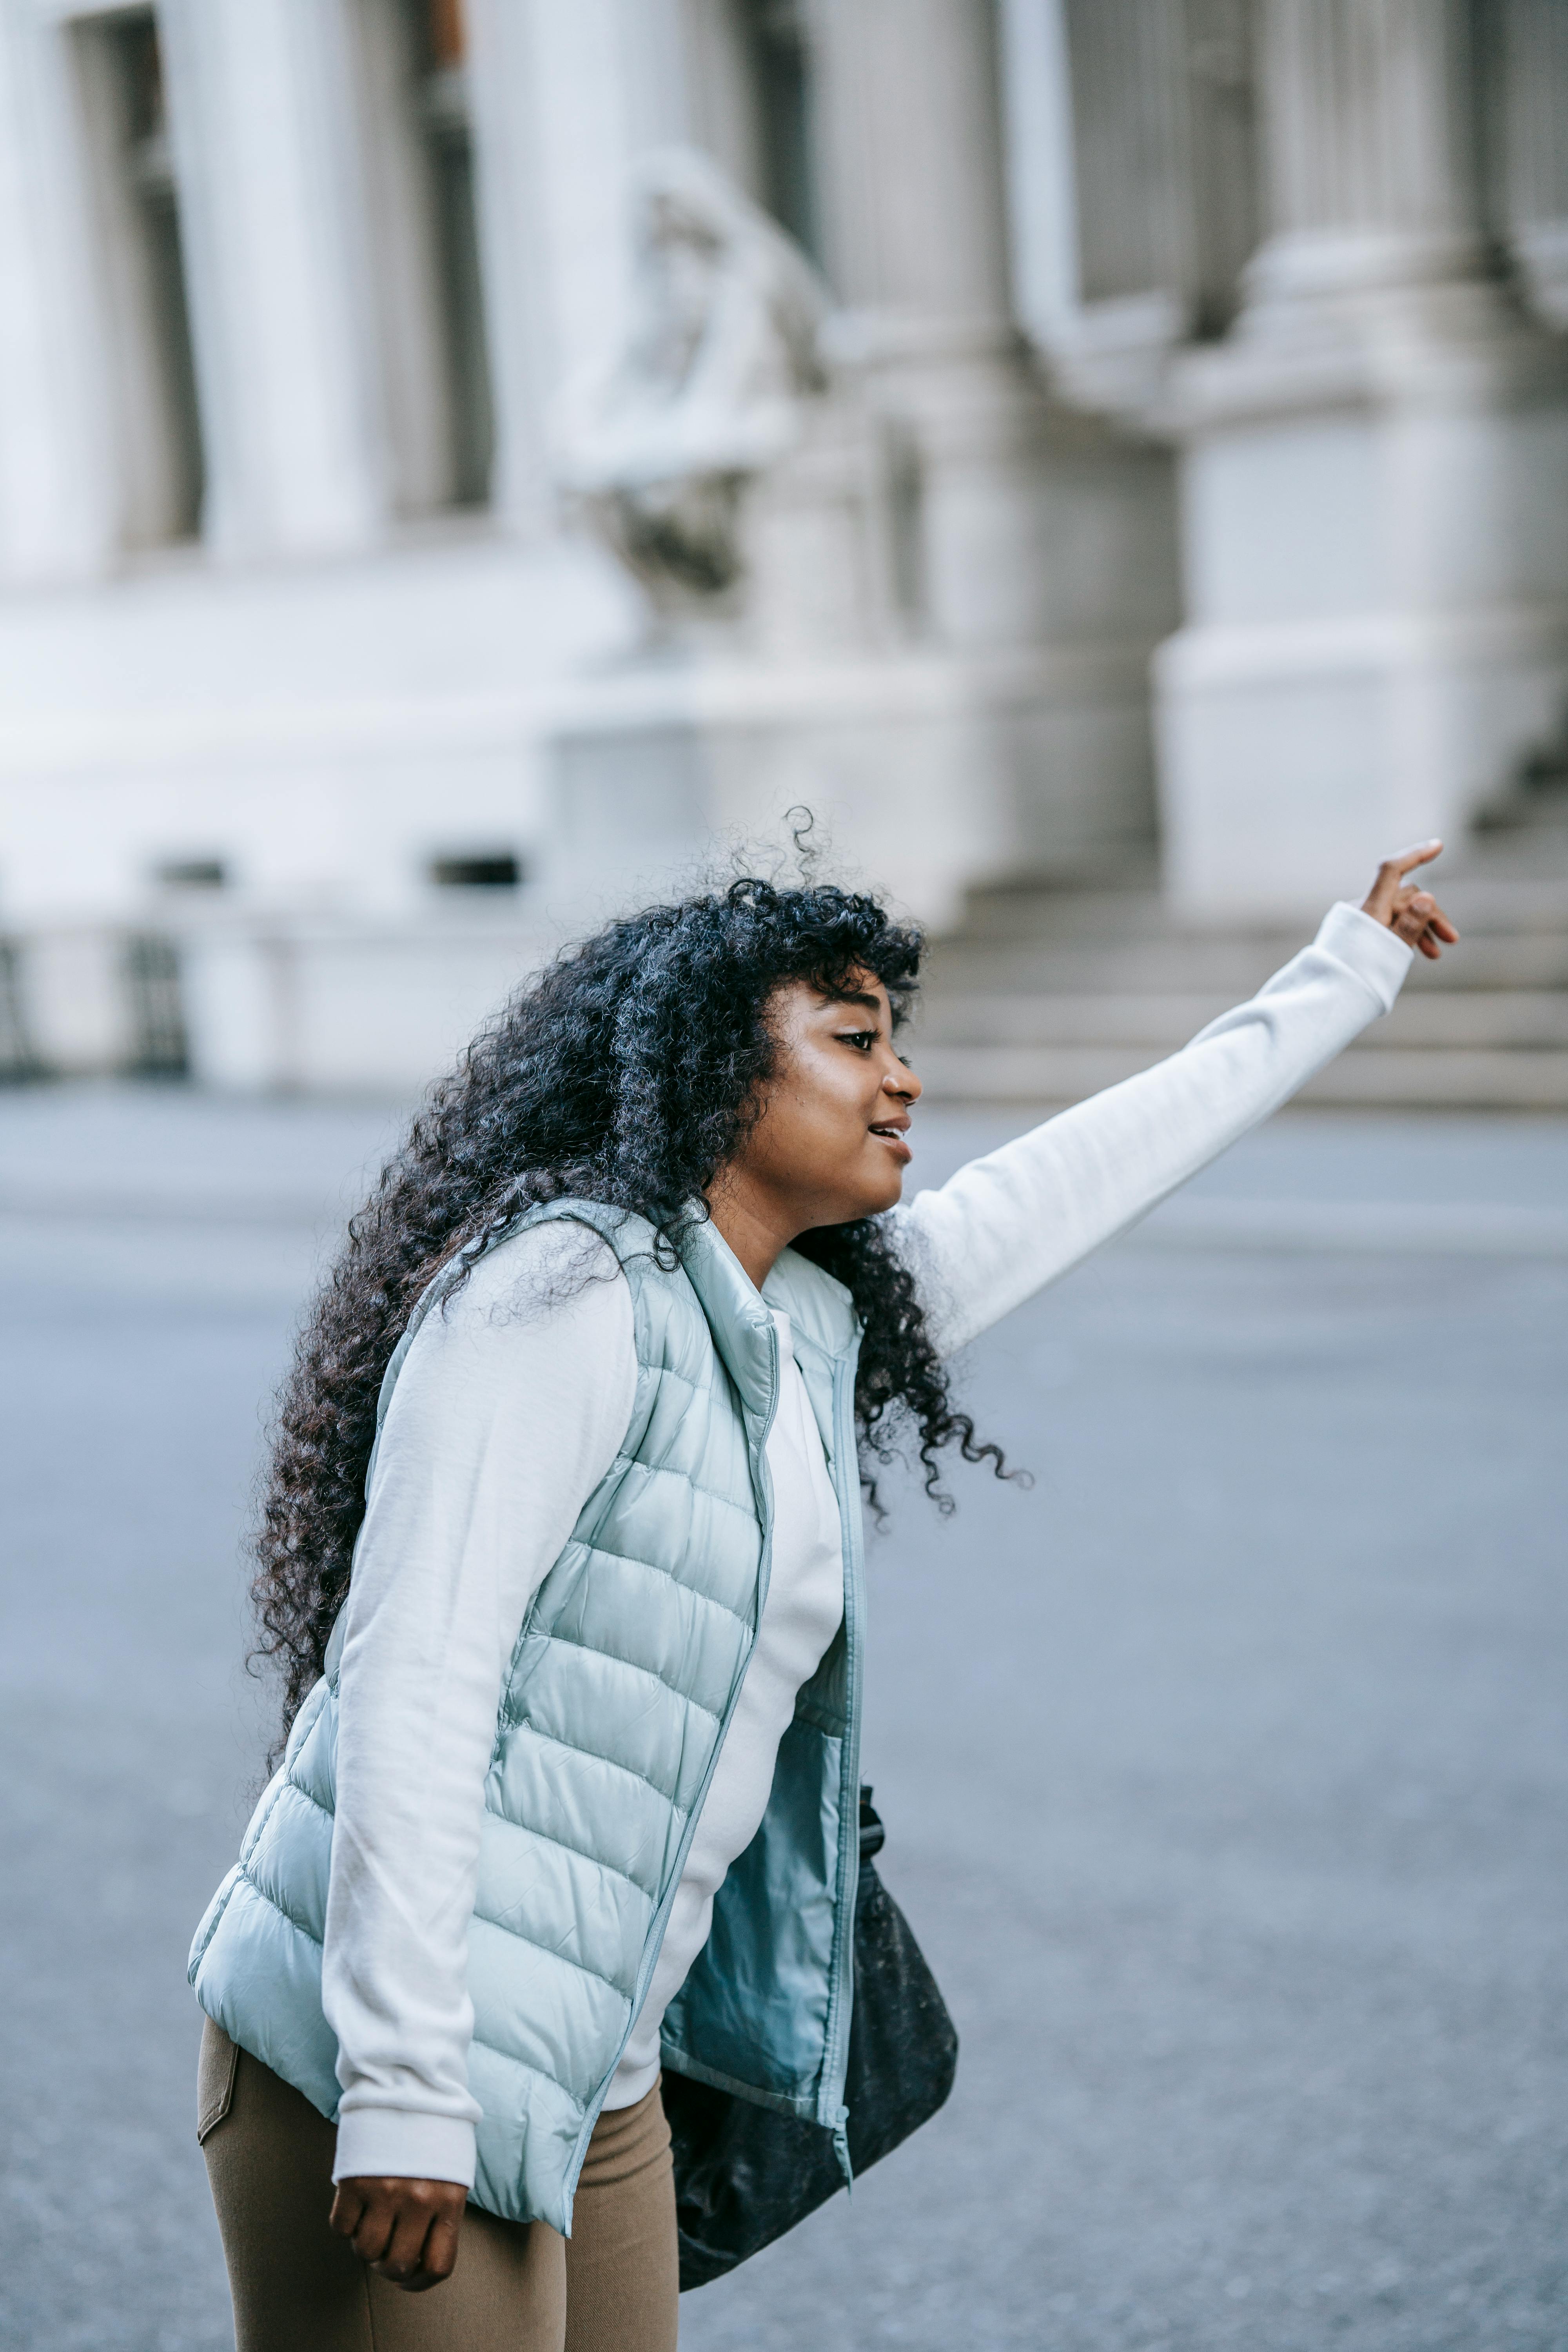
{"points": [[620, 1689]]}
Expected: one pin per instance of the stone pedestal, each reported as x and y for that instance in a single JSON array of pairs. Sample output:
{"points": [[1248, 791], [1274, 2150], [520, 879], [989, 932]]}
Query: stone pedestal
{"points": [[923, 773], [1374, 469]]}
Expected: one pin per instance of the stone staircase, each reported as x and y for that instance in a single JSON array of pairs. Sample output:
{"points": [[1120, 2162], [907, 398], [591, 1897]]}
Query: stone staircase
{"points": [[1046, 994]]}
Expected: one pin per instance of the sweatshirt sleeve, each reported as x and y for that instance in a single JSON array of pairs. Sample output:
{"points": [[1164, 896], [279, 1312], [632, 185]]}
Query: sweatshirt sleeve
{"points": [[1008, 1224], [509, 1409]]}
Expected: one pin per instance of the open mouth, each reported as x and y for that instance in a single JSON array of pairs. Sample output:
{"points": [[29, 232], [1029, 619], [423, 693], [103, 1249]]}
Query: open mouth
{"points": [[893, 1134]]}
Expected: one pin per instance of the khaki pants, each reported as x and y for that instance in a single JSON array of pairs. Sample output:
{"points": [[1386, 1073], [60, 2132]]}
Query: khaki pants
{"points": [[518, 2287]]}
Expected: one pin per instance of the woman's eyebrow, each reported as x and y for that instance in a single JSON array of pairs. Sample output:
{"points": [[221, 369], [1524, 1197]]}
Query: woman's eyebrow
{"points": [[873, 1004]]}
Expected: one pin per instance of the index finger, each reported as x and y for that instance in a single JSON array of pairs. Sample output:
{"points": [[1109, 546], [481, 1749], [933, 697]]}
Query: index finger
{"points": [[1405, 861]]}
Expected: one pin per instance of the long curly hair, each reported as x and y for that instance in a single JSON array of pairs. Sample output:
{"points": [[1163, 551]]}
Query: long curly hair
{"points": [[628, 1072]]}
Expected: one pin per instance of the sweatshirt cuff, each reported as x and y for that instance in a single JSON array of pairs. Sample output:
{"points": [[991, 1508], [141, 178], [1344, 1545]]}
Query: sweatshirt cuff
{"points": [[399, 2144], [1375, 953]]}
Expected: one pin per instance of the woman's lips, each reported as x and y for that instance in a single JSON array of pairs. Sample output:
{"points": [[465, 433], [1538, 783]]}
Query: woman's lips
{"points": [[893, 1138]]}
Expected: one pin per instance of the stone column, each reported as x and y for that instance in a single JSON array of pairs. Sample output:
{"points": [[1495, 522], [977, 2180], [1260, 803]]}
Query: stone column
{"points": [[912, 206], [1369, 150], [57, 488], [1527, 125], [1375, 482], [564, 99], [1133, 176], [914, 210], [1042, 190], [1016, 527], [912, 156], [260, 104]]}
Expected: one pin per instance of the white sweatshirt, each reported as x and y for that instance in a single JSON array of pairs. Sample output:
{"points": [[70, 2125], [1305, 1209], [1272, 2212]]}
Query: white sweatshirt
{"points": [[509, 1409]]}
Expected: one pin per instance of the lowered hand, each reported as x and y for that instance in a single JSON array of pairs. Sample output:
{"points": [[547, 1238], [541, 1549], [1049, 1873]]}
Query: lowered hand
{"points": [[406, 2230]]}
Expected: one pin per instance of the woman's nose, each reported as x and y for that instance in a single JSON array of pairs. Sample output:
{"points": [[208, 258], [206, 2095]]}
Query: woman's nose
{"points": [[904, 1083]]}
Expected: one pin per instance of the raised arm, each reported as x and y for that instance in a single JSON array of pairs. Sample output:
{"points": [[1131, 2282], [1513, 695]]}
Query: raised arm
{"points": [[1008, 1224]]}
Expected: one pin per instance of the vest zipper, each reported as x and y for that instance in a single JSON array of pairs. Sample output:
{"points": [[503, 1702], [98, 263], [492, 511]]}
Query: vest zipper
{"points": [[763, 1480], [831, 2109]]}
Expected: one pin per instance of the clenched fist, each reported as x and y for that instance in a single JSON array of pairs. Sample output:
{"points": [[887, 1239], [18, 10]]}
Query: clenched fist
{"points": [[406, 2230]]}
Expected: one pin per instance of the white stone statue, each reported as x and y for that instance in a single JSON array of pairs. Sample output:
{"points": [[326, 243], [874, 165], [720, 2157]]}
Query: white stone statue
{"points": [[704, 391]]}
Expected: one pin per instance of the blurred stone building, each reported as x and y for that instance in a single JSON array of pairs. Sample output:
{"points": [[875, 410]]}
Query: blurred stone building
{"points": [[1179, 489]]}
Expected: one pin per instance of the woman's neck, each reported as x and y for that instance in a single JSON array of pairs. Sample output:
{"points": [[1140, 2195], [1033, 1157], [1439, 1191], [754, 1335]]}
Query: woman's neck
{"points": [[752, 1224]]}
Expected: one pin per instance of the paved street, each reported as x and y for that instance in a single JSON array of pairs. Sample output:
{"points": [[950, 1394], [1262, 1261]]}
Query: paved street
{"points": [[1224, 1769]]}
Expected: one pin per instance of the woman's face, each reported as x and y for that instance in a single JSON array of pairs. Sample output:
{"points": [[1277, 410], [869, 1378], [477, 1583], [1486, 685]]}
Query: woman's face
{"points": [[830, 1145]]}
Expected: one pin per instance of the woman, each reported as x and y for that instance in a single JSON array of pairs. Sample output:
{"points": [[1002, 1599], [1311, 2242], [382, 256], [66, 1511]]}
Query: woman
{"points": [[570, 1790]]}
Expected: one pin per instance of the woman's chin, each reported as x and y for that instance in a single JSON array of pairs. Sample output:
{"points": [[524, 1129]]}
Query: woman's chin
{"points": [[885, 1190]]}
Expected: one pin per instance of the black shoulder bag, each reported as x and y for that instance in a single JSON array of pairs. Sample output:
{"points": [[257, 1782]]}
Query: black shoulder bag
{"points": [[746, 2174]]}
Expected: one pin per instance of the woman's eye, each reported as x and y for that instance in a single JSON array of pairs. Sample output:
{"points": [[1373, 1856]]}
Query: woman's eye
{"points": [[861, 1039]]}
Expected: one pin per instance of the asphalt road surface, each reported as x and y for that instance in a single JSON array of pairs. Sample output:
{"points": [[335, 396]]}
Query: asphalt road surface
{"points": [[1224, 1767]]}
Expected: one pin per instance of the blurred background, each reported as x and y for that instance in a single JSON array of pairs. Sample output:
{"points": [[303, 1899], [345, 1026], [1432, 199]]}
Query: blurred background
{"points": [[458, 457], [467, 463]]}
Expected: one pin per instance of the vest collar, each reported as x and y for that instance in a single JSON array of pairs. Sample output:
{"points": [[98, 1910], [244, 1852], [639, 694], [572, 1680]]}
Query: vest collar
{"points": [[820, 1308], [743, 1328]]}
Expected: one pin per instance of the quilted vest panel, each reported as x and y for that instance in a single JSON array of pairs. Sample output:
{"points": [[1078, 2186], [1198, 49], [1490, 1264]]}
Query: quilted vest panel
{"points": [[621, 1685]]}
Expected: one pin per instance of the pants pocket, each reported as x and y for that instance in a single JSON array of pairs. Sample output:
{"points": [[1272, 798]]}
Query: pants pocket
{"points": [[216, 2070]]}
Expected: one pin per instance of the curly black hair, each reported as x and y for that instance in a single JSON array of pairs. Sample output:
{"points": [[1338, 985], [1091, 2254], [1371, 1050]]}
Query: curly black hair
{"points": [[628, 1072]]}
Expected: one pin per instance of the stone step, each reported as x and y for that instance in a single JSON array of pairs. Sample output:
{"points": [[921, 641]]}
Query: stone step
{"points": [[1409, 1078], [1483, 1018], [1046, 994], [1213, 964], [1527, 899]]}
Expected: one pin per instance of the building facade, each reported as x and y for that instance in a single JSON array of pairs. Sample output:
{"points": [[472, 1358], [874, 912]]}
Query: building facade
{"points": [[1189, 477]]}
